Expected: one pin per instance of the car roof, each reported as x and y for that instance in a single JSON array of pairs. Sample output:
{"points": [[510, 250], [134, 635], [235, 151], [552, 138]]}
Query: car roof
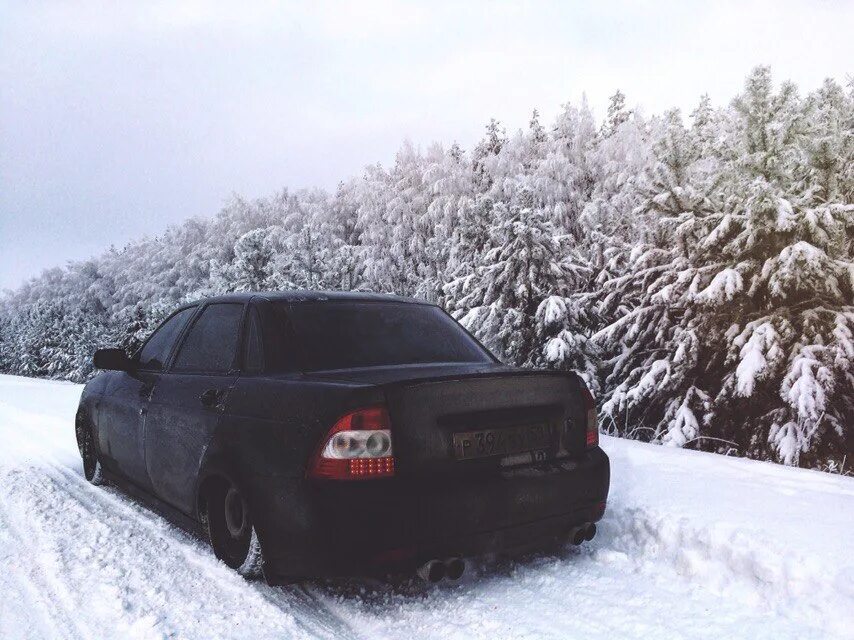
{"points": [[296, 296]]}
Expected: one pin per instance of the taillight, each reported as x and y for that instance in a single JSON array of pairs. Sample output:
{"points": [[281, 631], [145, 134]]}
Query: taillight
{"points": [[357, 447], [590, 416]]}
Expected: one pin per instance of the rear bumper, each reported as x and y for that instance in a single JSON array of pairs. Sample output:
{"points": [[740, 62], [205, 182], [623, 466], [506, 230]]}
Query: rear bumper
{"points": [[395, 524]]}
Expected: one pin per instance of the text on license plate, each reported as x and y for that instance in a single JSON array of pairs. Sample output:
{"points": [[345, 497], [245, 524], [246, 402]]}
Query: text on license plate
{"points": [[501, 442]]}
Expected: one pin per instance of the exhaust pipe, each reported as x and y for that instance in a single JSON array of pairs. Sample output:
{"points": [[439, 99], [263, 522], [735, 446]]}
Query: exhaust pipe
{"points": [[455, 568], [432, 571], [579, 534]]}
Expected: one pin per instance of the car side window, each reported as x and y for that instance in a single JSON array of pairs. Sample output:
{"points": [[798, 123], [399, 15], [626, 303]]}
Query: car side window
{"points": [[211, 343], [157, 348], [253, 349], [279, 351]]}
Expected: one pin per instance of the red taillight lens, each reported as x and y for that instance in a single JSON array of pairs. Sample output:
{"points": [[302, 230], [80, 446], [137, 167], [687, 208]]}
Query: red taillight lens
{"points": [[357, 447], [590, 414]]}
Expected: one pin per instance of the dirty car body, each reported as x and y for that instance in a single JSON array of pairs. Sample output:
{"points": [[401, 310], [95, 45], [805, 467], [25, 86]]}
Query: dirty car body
{"points": [[368, 433]]}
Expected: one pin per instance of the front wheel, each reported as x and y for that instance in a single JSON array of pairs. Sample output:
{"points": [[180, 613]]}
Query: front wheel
{"points": [[86, 445], [230, 529]]}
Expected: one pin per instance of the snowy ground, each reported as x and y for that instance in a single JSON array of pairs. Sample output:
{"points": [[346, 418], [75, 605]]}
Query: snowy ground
{"points": [[693, 546]]}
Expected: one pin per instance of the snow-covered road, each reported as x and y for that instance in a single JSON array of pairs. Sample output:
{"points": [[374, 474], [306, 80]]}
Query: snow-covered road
{"points": [[693, 546]]}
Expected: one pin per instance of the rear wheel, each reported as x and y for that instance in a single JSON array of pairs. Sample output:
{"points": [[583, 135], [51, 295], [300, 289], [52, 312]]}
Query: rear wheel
{"points": [[86, 445], [230, 529]]}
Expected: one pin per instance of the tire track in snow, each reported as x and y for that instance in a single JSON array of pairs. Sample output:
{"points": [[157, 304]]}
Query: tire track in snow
{"points": [[311, 611], [308, 611], [128, 573], [35, 609]]}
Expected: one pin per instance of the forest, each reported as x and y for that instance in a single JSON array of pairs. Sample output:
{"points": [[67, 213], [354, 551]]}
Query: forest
{"points": [[696, 269]]}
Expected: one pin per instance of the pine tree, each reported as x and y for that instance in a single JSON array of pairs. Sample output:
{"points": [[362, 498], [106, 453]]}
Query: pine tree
{"points": [[470, 241], [7, 357], [512, 279], [747, 319], [486, 150], [617, 114], [252, 266], [562, 172], [449, 187], [618, 162], [650, 348]]}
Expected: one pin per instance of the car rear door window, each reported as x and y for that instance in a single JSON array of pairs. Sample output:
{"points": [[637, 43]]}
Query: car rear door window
{"points": [[211, 343], [156, 350]]}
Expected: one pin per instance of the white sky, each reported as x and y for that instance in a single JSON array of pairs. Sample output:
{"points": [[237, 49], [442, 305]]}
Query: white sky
{"points": [[119, 118]]}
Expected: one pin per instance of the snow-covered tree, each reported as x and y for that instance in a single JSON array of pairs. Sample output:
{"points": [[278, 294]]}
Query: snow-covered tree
{"points": [[252, 265], [525, 266], [486, 150], [618, 114], [471, 240], [746, 319]]}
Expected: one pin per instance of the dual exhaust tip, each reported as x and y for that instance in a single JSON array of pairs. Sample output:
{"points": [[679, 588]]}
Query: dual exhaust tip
{"points": [[434, 571], [584, 532], [452, 569]]}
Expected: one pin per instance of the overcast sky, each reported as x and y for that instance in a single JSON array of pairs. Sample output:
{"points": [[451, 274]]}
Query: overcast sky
{"points": [[120, 118]]}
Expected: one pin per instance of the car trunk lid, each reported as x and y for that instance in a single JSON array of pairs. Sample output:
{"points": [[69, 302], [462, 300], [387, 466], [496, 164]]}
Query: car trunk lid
{"points": [[480, 422], [474, 419]]}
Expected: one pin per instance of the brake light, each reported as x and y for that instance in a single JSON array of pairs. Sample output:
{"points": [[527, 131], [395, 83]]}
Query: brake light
{"points": [[357, 447], [590, 414]]}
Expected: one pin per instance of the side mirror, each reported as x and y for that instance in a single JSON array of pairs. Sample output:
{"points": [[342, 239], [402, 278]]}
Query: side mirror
{"points": [[113, 359]]}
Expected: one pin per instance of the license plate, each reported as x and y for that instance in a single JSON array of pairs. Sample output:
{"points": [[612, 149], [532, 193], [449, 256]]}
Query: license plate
{"points": [[501, 442]]}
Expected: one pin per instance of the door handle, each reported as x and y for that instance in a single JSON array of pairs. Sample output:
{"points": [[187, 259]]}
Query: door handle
{"points": [[209, 397], [214, 399]]}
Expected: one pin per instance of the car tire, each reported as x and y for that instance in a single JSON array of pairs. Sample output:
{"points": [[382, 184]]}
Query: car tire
{"points": [[92, 469], [228, 524]]}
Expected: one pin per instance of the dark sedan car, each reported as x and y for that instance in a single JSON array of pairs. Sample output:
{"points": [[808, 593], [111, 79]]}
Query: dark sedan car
{"points": [[331, 434]]}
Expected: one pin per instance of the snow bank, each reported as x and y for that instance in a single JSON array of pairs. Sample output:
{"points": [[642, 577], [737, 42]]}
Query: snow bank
{"points": [[767, 535]]}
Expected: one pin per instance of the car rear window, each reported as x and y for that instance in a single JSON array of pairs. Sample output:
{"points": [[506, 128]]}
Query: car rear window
{"points": [[345, 335]]}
